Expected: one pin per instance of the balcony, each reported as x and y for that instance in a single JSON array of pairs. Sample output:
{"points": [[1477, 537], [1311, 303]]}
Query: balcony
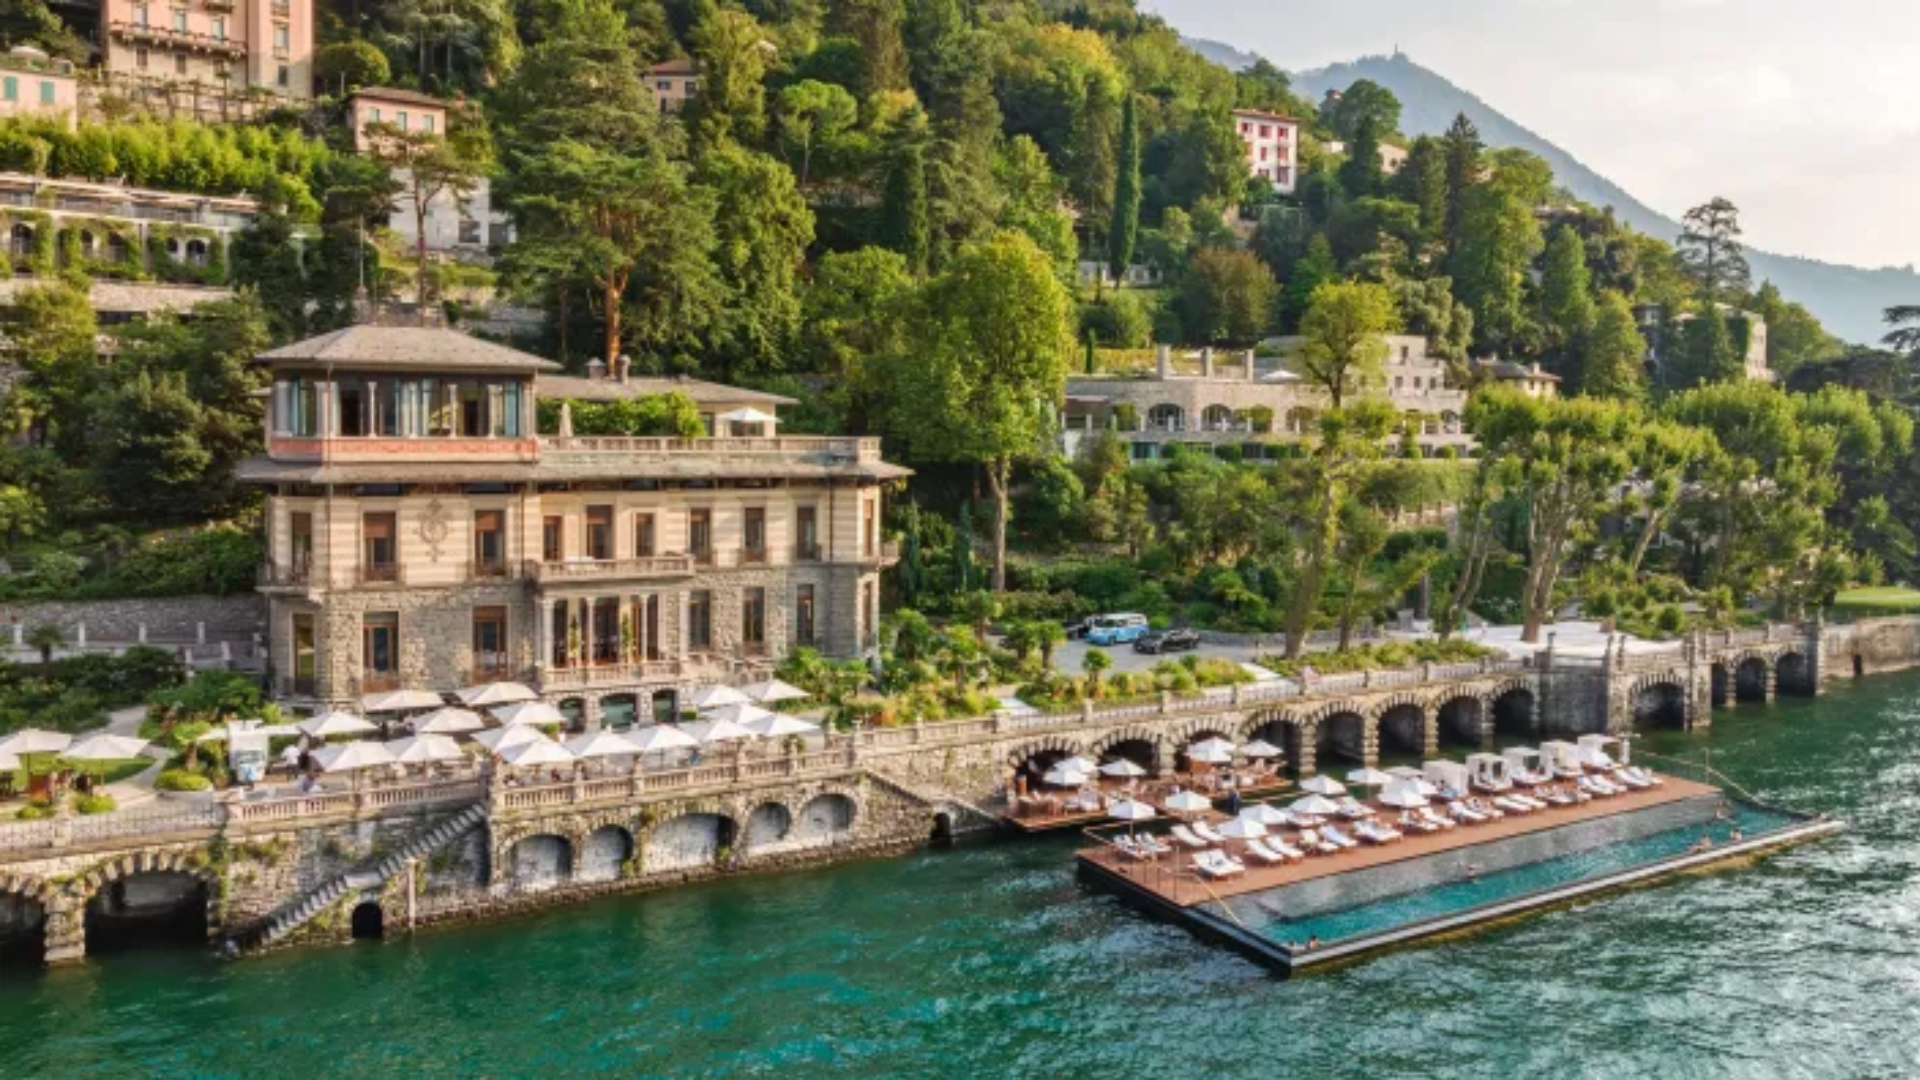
{"points": [[375, 682], [297, 575], [886, 553], [835, 448], [584, 676], [571, 570], [382, 574], [807, 552], [753, 556], [183, 39], [218, 5], [490, 568]]}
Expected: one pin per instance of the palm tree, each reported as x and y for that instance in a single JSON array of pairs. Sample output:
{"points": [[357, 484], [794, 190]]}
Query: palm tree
{"points": [[46, 637], [1905, 335], [1047, 635], [960, 656], [1095, 662]]}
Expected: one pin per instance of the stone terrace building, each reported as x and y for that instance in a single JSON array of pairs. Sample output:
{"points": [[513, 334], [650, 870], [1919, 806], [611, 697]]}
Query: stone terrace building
{"points": [[423, 535], [1257, 405]]}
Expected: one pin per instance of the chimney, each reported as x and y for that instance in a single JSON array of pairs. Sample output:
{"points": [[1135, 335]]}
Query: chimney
{"points": [[596, 369], [1206, 362], [621, 365], [1163, 358], [1253, 367]]}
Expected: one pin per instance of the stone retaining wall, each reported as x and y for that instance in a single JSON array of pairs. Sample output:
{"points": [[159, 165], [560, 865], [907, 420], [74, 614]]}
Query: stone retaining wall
{"points": [[174, 618]]}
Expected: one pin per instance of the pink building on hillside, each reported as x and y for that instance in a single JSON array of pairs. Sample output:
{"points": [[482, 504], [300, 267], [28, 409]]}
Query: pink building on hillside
{"points": [[33, 85], [226, 47], [1272, 143]]}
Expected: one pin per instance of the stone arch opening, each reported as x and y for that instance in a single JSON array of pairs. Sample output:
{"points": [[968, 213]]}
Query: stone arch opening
{"points": [[942, 832], [23, 928], [20, 241], [197, 253], [1283, 732], [1166, 418], [1183, 763], [825, 819], [1719, 685], [1460, 722], [666, 706], [1217, 418], [604, 851], [770, 824], [1032, 763], [1342, 736], [153, 907], [1403, 732], [574, 710], [369, 923], [620, 711], [1661, 704], [541, 862], [1750, 680], [1513, 713], [1792, 674], [689, 842], [1139, 751], [1859, 666]]}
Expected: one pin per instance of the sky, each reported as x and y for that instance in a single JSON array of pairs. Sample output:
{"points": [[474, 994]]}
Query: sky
{"points": [[1802, 113]]}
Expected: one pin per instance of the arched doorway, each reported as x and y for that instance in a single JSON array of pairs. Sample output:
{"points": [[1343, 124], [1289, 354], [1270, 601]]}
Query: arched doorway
{"points": [[768, 826], [1719, 685], [23, 929], [1793, 675], [603, 853], [541, 862], [619, 711], [1138, 751], [369, 922], [688, 842], [1403, 732], [666, 706], [148, 908], [1459, 721], [1284, 733], [1166, 418], [574, 710], [1343, 736], [1513, 714], [1661, 705], [1750, 680]]}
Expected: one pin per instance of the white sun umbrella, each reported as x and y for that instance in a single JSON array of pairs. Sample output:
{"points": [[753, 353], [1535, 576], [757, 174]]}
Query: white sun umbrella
{"points": [[773, 691], [1369, 778], [1406, 772], [743, 713], [448, 720], [1079, 764], [600, 744], [36, 741], [348, 757], [749, 415], [1404, 795], [424, 749], [257, 727], [399, 701], [717, 731], [659, 738], [528, 712], [8, 761], [327, 725], [1210, 755], [1242, 829], [1210, 747], [780, 726], [1122, 768], [1323, 785], [501, 739], [712, 697], [1424, 787], [487, 695], [1188, 802], [1061, 776], [1314, 805], [1265, 814], [534, 754], [105, 748], [1261, 748], [1131, 810]]}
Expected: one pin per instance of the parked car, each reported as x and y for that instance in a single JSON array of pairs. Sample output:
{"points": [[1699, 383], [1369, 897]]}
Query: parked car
{"points": [[1075, 628], [1116, 629], [1166, 641]]}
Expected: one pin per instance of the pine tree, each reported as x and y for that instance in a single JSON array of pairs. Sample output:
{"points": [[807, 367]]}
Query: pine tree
{"points": [[1126, 195], [1462, 145], [903, 200], [1360, 174]]}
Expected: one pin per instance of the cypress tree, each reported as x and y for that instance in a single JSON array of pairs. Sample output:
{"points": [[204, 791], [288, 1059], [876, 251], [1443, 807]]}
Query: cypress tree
{"points": [[903, 199], [1126, 194]]}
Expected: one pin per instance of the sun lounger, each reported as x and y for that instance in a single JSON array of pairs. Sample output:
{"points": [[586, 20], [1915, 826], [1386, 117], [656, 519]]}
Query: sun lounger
{"points": [[1214, 864], [1285, 851], [1592, 786], [1262, 853], [1337, 838], [1647, 778], [1375, 833], [1512, 806], [1464, 814], [1428, 813], [1408, 820], [1206, 832], [1153, 844], [1353, 809], [1310, 839], [1625, 776], [1528, 801], [1187, 838]]}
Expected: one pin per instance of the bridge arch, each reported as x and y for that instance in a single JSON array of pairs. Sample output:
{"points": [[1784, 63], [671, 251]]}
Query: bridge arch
{"points": [[540, 861], [769, 826], [1404, 726], [1659, 700], [1036, 756], [690, 841], [1793, 674], [25, 905], [138, 899], [1282, 729], [1142, 746], [1512, 708], [1752, 678], [604, 852], [826, 819], [1343, 731], [1463, 720]]}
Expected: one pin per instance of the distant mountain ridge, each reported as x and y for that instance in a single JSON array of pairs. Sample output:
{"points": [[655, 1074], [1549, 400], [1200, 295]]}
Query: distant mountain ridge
{"points": [[1849, 300]]}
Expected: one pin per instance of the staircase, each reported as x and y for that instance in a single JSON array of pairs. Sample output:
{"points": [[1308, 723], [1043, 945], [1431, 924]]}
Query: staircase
{"points": [[936, 800], [325, 896]]}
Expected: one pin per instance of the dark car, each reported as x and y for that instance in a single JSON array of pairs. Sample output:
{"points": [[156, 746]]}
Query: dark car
{"points": [[1166, 641]]}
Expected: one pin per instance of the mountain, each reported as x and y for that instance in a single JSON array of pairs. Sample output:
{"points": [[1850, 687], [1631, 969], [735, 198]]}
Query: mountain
{"points": [[1849, 300]]}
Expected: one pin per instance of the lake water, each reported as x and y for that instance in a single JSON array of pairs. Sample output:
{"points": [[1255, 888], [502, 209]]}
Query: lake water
{"points": [[994, 961]]}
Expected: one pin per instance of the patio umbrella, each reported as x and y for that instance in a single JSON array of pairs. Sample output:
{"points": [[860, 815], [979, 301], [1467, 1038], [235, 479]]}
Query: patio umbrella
{"points": [[534, 754], [8, 762], [271, 731], [448, 720], [1403, 795], [1260, 748], [780, 725], [772, 691], [1061, 776], [105, 748], [658, 738], [1078, 764], [1243, 829], [1210, 748], [1425, 787], [748, 415], [1407, 772], [717, 731], [712, 697], [1122, 768], [1323, 785], [399, 701], [1369, 778], [487, 695], [328, 725], [36, 741], [600, 744], [1314, 806], [500, 739], [1129, 810], [1187, 802], [743, 713], [424, 750], [1265, 814], [529, 712], [1210, 755], [348, 757]]}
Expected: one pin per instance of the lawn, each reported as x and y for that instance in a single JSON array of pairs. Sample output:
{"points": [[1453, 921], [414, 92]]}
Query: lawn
{"points": [[1879, 598], [115, 770]]}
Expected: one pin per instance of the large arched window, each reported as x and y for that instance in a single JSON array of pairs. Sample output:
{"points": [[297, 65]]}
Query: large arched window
{"points": [[1166, 418]]}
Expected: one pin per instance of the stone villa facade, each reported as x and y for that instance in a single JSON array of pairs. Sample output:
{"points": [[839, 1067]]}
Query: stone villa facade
{"points": [[423, 534]]}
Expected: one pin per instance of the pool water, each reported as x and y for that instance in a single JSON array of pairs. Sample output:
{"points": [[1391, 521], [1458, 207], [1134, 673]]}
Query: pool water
{"points": [[1394, 912]]}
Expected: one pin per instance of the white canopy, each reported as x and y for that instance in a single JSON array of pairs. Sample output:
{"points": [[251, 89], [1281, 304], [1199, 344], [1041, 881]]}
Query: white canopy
{"points": [[1188, 802], [1404, 794], [1061, 776], [1242, 829], [1265, 814], [600, 744], [448, 720], [1211, 755], [500, 739], [105, 748], [716, 731], [537, 753], [8, 761], [780, 726], [1323, 785], [348, 757], [743, 713], [1261, 748], [657, 738], [425, 749], [712, 697], [331, 724], [399, 701], [1210, 746], [748, 415], [1122, 768], [1369, 778], [1129, 810], [36, 741], [529, 712], [255, 727], [1316, 805], [772, 691], [1078, 764], [487, 695], [1408, 772]]}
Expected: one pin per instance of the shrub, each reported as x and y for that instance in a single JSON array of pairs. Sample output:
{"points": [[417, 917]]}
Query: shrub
{"points": [[181, 780], [210, 695], [94, 804], [33, 811]]}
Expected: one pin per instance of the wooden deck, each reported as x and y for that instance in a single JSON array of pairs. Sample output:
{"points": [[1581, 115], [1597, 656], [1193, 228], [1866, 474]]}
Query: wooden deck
{"points": [[1172, 879], [1154, 793]]}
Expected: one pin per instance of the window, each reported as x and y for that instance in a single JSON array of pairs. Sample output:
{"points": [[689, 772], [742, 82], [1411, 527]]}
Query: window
{"points": [[1263, 153], [281, 39], [426, 123], [373, 115], [557, 633], [604, 616], [352, 395], [755, 530], [803, 615], [46, 92], [599, 532], [180, 63], [753, 619], [870, 527], [469, 231], [300, 544], [284, 78], [219, 28], [489, 643], [663, 85], [643, 536], [473, 409], [140, 57], [305, 656], [700, 620], [180, 20], [700, 534], [1266, 131], [650, 627], [10, 89], [553, 535], [400, 119], [806, 534], [140, 15], [380, 642], [379, 547], [489, 542]]}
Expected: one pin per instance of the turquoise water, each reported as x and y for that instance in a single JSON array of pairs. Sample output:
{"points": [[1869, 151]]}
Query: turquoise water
{"points": [[995, 962], [1459, 896]]}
